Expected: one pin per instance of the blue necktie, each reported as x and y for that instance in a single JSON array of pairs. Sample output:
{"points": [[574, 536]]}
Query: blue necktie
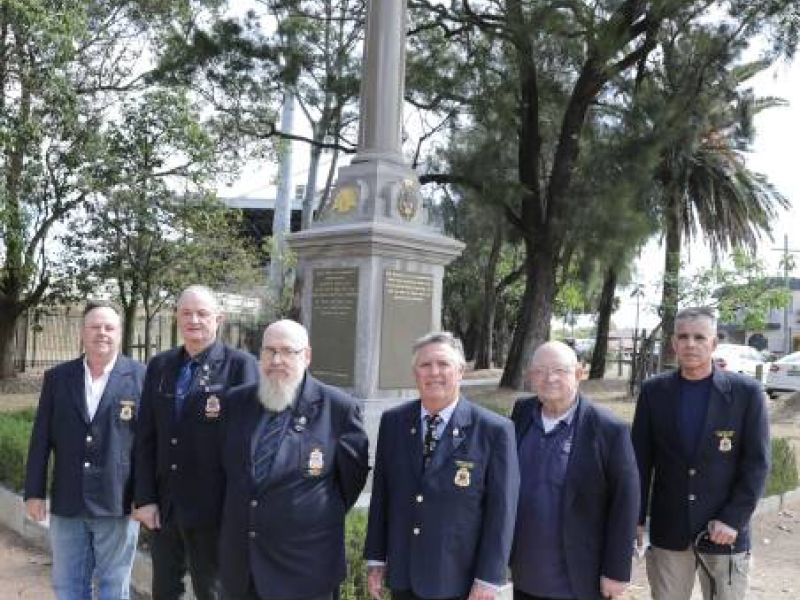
{"points": [[182, 385], [267, 445]]}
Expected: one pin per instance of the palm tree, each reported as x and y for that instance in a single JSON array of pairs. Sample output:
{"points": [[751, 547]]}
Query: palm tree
{"points": [[705, 185]]}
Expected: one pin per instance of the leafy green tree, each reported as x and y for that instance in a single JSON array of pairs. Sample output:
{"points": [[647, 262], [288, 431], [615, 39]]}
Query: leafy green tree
{"points": [[143, 236]]}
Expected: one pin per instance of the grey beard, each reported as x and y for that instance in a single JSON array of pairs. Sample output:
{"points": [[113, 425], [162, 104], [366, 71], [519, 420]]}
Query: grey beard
{"points": [[277, 396]]}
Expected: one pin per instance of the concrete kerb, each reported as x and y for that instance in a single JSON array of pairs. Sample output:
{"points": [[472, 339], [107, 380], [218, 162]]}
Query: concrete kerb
{"points": [[12, 516]]}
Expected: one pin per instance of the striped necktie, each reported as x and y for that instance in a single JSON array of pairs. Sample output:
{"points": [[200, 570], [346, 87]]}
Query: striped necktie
{"points": [[432, 422], [267, 445]]}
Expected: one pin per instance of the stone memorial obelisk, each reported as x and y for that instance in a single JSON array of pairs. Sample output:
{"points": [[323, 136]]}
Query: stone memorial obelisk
{"points": [[372, 264]]}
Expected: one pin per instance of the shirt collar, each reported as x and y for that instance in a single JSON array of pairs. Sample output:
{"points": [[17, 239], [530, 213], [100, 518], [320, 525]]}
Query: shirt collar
{"points": [[106, 369], [549, 423], [445, 413]]}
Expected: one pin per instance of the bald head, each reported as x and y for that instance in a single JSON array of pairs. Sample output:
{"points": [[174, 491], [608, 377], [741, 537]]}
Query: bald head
{"points": [[554, 375], [557, 350], [289, 330], [199, 317], [202, 293]]}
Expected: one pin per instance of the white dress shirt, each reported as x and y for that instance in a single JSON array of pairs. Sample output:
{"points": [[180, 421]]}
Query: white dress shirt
{"points": [[94, 388]]}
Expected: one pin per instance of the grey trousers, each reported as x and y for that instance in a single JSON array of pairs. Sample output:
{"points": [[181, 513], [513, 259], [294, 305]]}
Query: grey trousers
{"points": [[671, 574]]}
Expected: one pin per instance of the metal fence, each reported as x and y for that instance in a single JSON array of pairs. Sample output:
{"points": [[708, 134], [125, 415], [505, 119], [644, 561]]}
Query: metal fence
{"points": [[45, 339]]}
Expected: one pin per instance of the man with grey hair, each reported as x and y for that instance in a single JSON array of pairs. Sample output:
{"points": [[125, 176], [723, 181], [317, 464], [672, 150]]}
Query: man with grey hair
{"points": [[579, 497], [178, 480], [295, 457], [445, 488], [702, 442]]}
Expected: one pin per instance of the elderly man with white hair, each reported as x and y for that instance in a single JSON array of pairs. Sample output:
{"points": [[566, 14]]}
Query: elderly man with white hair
{"points": [[579, 496], [295, 457]]}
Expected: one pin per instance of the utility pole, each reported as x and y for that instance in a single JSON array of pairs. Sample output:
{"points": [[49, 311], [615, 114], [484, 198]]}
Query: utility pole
{"points": [[282, 216], [788, 310]]}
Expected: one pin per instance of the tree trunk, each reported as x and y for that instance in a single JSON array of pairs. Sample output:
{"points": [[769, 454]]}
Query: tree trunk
{"points": [[598, 368], [311, 184], [533, 322], [128, 327], [9, 318], [485, 341], [672, 271]]}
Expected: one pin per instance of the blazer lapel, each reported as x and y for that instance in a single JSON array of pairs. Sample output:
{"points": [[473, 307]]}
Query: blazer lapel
{"points": [[77, 388], [452, 436], [670, 415], [524, 418], [583, 433], [412, 434]]}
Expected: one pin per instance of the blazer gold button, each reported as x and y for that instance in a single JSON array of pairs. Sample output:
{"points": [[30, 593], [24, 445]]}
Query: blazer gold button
{"points": [[419, 498], [251, 534], [692, 497], [88, 439], [173, 467], [692, 472], [416, 531], [253, 503], [86, 465]]}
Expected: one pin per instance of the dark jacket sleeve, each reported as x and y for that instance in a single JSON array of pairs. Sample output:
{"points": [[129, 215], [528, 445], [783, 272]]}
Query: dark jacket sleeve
{"points": [[623, 506], [145, 446], [375, 543], [501, 496], [41, 441], [352, 455], [753, 463], [642, 446]]}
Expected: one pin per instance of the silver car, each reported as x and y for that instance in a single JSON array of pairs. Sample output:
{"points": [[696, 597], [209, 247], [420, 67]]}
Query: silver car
{"points": [[784, 374]]}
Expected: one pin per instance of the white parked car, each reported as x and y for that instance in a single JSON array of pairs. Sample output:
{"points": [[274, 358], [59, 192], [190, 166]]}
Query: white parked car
{"points": [[740, 359], [784, 374]]}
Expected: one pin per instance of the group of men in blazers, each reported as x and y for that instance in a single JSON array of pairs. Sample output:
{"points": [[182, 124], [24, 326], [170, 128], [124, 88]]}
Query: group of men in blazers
{"points": [[244, 471]]}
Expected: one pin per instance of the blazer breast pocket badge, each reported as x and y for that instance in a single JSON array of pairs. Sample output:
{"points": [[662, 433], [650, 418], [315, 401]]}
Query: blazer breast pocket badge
{"points": [[463, 476], [126, 409], [316, 462], [725, 439], [213, 407]]}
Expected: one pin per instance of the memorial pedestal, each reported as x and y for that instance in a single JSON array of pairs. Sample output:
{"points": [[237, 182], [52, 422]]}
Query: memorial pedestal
{"points": [[370, 289]]}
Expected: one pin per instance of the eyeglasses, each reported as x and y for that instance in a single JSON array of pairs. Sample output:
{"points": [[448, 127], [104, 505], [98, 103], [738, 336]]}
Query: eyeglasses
{"points": [[284, 353], [547, 371]]}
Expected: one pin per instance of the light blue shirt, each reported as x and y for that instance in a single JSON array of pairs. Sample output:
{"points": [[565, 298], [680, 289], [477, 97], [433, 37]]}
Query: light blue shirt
{"points": [[446, 413]]}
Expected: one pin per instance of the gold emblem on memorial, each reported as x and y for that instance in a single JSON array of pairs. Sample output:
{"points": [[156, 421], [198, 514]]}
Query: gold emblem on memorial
{"points": [[345, 199], [408, 199]]}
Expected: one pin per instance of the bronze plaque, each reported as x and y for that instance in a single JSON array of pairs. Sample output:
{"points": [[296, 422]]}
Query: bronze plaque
{"points": [[334, 305], [407, 316]]}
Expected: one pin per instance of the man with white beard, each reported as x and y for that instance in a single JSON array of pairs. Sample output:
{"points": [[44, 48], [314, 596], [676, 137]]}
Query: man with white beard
{"points": [[295, 460]]}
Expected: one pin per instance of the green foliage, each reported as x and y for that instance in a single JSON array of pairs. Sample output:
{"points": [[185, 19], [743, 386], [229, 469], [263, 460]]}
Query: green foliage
{"points": [[15, 433], [742, 292], [783, 476], [354, 587]]}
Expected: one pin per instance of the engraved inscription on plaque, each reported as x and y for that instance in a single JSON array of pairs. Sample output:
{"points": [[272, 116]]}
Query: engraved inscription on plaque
{"points": [[407, 315], [334, 304]]}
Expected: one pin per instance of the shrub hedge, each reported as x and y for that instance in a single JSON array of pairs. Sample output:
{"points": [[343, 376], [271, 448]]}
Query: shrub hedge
{"points": [[15, 431], [783, 474]]}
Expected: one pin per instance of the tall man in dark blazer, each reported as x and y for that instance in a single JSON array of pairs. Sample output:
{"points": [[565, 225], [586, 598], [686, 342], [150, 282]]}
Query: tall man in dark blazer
{"points": [[579, 496], [701, 439], [295, 459], [445, 487], [179, 482], [86, 415]]}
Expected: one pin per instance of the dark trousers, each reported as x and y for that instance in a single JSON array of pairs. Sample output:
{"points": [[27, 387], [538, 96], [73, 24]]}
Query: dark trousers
{"points": [[409, 595], [519, 595], [252, 595], [174, 549]]}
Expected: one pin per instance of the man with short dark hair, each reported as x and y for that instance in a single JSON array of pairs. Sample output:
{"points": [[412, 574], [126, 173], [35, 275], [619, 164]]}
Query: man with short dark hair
{"points": [[295, 458], [179, 484], [702, 441], [579, 496], [86, 415], [445, 488]]}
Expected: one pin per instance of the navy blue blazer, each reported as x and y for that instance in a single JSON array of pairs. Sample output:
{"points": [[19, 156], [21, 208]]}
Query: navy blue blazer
{"points": [[178, 463], [726, 477], [440, 529], [92, 459], [601, 498], [287, 535]]}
